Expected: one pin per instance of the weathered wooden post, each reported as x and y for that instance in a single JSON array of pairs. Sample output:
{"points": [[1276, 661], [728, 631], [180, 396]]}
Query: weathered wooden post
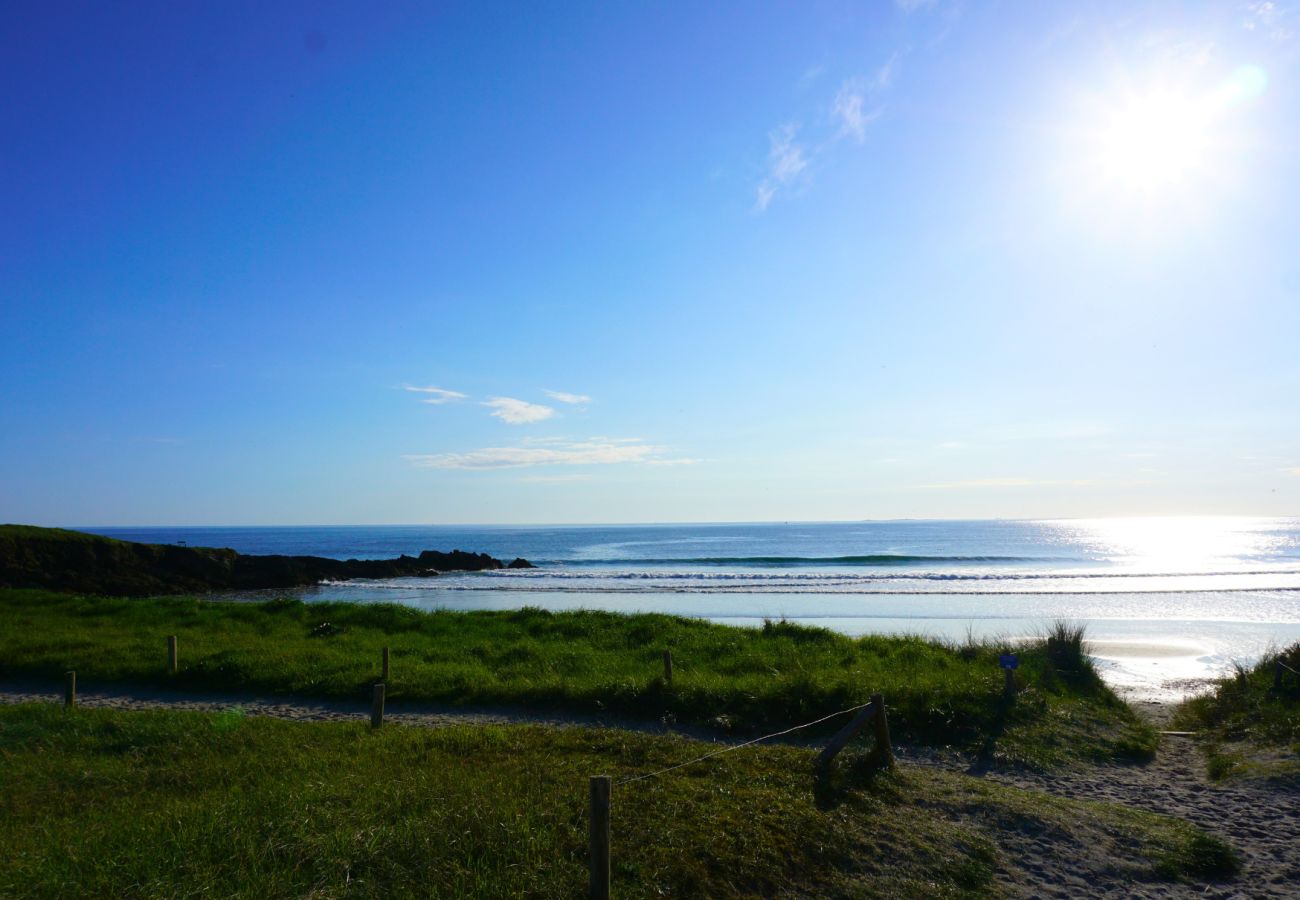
{"points": [[171, 654], [883, 745], [1277, 674], [845, 734], [384, 676], [668, 666], [377, 706], [599, 884], [70, 691]]}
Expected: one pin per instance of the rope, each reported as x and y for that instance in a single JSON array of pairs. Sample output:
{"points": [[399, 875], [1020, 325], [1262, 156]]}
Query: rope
{"points": [[740, 746], [1288, 668]]}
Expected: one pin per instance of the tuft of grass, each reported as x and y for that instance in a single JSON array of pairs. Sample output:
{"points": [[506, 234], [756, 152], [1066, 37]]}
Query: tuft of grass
{"points": [[746, 679], [98, 802], [1249, 723]]}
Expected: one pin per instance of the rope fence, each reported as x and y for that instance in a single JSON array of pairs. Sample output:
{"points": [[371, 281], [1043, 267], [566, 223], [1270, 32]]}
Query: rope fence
{"points": [[1278, 668], [758, 740], [601, 786]]}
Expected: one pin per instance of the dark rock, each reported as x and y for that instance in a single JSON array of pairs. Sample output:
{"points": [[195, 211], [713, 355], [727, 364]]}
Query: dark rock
{"points": [[520, 563], [73, 561]]}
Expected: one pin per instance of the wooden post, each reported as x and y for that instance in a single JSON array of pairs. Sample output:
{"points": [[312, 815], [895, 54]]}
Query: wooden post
{"points": [[377, 707], [384, 676], [70, 691], [668, 666], [1277, 675], [171, 654], [1009, 687], [599, 883], [845, 734], [883, 745]]}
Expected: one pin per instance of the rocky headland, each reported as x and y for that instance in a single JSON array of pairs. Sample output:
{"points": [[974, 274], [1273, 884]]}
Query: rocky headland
{"points": [[59, 559]]}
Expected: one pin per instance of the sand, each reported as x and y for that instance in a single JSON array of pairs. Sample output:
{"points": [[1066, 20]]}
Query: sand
{"points": [[1261, 820]]}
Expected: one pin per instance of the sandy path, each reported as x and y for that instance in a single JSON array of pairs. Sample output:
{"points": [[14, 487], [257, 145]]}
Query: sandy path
{"points": [[428, 715], [1262, 821]]}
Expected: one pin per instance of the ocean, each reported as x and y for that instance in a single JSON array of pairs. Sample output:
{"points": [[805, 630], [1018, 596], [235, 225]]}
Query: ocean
{"points": [[1168, 602]]}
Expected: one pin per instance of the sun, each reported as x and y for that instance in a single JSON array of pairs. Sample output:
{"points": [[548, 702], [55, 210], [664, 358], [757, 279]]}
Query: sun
{"points": [[1167, 139], [1155, 141]]}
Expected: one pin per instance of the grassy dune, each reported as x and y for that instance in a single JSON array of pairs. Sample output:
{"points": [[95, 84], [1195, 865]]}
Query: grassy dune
{"points": [[725, 677], [143, 804], [1251, 725]]}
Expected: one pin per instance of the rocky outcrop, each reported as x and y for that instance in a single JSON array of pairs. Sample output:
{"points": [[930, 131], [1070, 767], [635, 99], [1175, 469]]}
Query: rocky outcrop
{"points": [[520, 563], [74, 561]]}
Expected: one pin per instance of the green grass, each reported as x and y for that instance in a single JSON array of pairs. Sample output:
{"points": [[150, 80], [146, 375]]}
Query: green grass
{"points": [[1249, 725], [725, 677], [164, 803]]}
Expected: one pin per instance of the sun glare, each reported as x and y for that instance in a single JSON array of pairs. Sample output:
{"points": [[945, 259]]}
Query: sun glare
{"points": [[1168, 138], [1155, 141]]}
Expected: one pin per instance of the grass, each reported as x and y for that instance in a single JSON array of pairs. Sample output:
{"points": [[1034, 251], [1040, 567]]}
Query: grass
{"points": [[96, 802], [725, 677], [1250, 725]]}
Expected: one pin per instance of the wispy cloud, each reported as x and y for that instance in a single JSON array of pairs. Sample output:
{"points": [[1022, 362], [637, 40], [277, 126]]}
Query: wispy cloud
{"points": [[437, 394], [785, 160], [850, 111], [1293, 470], [1008, 482], [566, 397], [811, 74], [858, 102], [518, 412], [555, 479], [911, 6], [1267, 18], [576, 453]]}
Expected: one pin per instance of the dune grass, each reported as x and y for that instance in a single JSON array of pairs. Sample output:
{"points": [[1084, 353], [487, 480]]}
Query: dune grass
{"points": [[1250, 723], [96, 802], [725, 677]]}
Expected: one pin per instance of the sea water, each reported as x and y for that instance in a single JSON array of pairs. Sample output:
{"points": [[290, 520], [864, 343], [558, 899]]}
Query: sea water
{"points": [[1167, 602]]}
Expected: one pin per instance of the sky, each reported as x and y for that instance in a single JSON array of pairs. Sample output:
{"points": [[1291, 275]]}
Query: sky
{"points": [[341, 263]]}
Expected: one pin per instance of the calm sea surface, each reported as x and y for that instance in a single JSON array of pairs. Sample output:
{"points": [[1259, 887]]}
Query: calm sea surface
{"points": [[1167, 601]]}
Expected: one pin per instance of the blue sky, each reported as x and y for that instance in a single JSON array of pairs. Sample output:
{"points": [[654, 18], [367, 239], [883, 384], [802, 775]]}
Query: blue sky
{"points": [[662, 262]]}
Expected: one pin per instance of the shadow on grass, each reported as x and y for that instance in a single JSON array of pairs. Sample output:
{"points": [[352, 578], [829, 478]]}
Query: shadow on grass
{"points": [[986, 755], [833, 782]]}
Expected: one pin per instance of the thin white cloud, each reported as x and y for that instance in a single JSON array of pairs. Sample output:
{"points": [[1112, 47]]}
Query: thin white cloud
{"points": [[1294, 470], [885, 74], [566, 397], [439, 395], [811, 74], [854, 107], [518, 412], [1008, 482], [554, 479], [785, 160], [577, 453], [850, 111], [1268, 18]]}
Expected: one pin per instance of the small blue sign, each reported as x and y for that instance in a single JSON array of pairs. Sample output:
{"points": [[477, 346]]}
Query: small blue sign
{"points": [[1009, 661]]}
